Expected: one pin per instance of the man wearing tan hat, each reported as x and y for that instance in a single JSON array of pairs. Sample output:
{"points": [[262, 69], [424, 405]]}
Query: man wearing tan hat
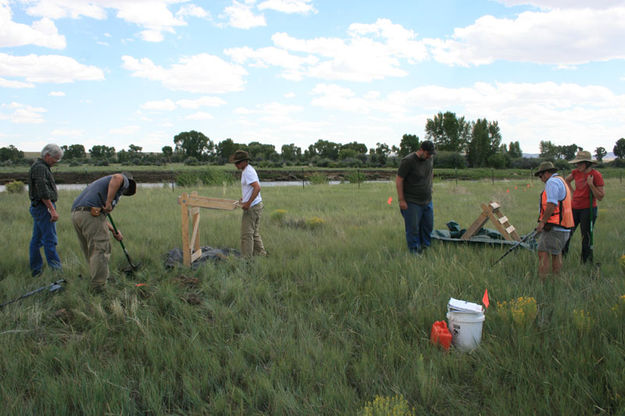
{"points": [[588, 189], [554, 221], [252, 205]]}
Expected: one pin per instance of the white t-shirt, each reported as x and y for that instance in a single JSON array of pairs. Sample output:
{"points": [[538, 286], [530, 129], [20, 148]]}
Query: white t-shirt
{"points": [[248, 177]]}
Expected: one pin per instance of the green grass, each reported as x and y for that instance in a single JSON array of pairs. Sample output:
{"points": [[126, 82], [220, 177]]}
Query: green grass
{"points": [[336, 316]]}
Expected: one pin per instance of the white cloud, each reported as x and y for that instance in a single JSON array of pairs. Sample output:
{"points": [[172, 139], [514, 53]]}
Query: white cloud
{"points": [[193, 11], [557, 37], [47, 68], [372, 51], [161, 105], [288, 6], [170, 105], [565, 113], [191, 74], [205, 101], [67, 133], [152, 15], [241, 16], [22, 113], [56, 94], [565, 4], [41, 33], [5, 83], [125, 130], [200, 115]]}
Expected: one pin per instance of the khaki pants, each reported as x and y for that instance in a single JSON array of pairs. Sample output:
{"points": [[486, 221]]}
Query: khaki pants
{"points": [[251, 243], [93, 235]]}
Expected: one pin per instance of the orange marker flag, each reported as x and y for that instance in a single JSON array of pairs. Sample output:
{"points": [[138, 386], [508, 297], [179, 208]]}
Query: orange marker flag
{"points": [[485, 298], [390, 200], [508, 191], [515, 187]]}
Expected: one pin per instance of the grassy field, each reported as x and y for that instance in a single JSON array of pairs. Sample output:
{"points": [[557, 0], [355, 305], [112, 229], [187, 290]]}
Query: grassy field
{"points": [[337, 315]]}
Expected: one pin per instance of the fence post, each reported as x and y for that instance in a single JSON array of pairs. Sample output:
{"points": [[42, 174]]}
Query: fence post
{"points": [[492, 175], [303, 178]]}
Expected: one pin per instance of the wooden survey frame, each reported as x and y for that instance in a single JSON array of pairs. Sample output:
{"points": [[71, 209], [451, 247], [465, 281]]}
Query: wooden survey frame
{"points": [[501, 222], [190, 205]]}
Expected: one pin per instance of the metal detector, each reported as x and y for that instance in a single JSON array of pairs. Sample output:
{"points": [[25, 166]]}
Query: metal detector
{"points": [[52, 287], [524, 239]]}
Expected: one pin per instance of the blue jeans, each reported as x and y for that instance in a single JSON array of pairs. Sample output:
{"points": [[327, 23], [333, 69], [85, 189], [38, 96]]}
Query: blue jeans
{"points": [[419, 223], [44, 234]]}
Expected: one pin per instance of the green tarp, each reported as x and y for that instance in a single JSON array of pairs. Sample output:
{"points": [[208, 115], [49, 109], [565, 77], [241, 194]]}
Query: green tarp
{"points": [[483, 236]]}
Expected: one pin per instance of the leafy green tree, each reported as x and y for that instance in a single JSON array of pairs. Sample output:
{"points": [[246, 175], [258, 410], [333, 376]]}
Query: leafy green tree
{"points": [[379, 155], [11, 153], [73, 151], [134, 148], [291, 153], [261, 151], [226, 148], [448, 132], [619, 148], [409, 143], [194, 144], [101, 152], [485, 142], [514, 150], [327, 149], [600, 153], [548, 150], [568, 152]]}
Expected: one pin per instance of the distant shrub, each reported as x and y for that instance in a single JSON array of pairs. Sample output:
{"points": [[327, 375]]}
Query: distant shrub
{"points": [[75, 162], [355, 177], [15, 187], [350, 162], [525, 163], [617, 163], [101, 162], [450, 160], [191, 161], [215, 177], [318, 179], [187, 179]]}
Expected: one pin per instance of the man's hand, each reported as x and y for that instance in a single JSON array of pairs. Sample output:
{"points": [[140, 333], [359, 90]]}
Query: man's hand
{"points": [[54, 216], [118, 235], [246, 205], [590, 180], [403, 204]]}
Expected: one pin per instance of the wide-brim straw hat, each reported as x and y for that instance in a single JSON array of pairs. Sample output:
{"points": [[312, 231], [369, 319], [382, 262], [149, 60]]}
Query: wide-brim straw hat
{"points": [[583, 156], [545, 167], [239, 156]]}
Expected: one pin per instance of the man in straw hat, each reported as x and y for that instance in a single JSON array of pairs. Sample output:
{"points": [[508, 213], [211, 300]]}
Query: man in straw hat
{"points": [[588, 189], [554, 221], [252, 205]]}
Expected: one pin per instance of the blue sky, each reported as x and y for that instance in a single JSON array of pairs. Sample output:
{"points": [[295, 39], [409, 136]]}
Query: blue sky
{"points": [[121, 72]]}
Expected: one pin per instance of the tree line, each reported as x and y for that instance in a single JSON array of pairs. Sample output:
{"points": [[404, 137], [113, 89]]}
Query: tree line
{"points": [[461, 143]]}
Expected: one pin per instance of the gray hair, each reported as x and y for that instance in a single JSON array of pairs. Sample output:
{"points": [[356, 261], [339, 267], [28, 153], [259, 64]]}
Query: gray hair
{"points": [[53, 150]]}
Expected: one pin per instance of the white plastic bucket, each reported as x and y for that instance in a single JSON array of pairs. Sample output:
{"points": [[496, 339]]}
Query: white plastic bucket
{"points": [[466, 329]]}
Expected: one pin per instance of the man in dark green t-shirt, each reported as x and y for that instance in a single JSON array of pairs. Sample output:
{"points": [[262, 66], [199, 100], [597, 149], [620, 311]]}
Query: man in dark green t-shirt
{"points": [[414, 191]]}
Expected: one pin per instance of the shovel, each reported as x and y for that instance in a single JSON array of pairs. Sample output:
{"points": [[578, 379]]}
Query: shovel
{"points": [[132, 266]]}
